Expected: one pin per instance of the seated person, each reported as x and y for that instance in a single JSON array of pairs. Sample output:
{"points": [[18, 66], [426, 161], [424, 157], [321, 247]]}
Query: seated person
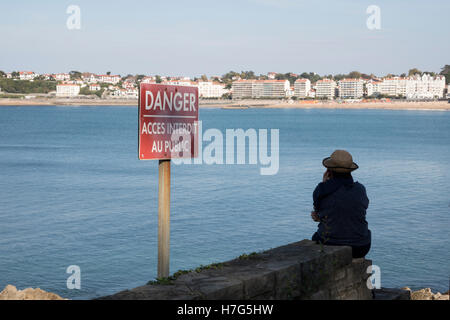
{"points": [[340, 206]]}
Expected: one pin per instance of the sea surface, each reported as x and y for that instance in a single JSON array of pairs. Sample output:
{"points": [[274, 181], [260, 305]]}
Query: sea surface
{"points": [[73, 192]]}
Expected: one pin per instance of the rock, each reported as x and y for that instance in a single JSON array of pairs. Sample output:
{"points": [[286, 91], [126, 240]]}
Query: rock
{"points": [[427, 294], [11, 293], [406, 288]]}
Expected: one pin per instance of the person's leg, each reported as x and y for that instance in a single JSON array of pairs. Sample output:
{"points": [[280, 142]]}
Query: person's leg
{"points": [[360, 252]]}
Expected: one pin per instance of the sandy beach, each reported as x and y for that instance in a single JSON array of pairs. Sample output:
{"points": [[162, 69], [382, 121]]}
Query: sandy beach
{"points": [[241, 104]]}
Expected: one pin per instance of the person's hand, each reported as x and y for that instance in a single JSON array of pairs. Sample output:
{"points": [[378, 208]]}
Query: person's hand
{"points": [[315, 216], [326, 176]]}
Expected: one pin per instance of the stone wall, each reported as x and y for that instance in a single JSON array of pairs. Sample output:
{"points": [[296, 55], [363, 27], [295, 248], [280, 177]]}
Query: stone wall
{"points": [[301, 270]]}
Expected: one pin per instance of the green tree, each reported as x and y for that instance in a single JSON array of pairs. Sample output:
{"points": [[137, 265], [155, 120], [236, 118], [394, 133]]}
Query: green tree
{"points": [[445, 71], [36, 86], [431, 73], [158, 79], [228, 77], [312, 76], [338, 77], [139, 77], [248, 75], [354, 75], [287, 76], [85, 91], [414, 71], [75, 75]]}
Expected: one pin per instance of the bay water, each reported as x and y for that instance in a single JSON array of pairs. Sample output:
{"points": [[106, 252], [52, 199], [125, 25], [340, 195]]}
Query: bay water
{"points": [[73, 192]]}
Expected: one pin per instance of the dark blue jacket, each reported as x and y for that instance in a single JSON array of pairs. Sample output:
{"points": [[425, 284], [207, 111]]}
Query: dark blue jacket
{"points": [[341, 205]]}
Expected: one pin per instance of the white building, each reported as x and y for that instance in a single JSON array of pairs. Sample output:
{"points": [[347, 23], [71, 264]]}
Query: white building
{"points": [[62, 77], [67, 90], [148, 80], [242, 89], [94, 87], [372, 87], [415, 87], [426, 87], [129, 84], [47, 76], [394, 86], [260, 89], [211, 89], [27, 75], [113, 79], [125, 93], [302, 87], [180, 82], [325, 88], [351, 88], [271, 75]]}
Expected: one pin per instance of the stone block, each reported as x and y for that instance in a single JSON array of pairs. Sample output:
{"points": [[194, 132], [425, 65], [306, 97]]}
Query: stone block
{"points": [[301, 270]]}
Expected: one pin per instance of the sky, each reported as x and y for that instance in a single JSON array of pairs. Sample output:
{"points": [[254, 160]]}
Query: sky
{"points": [[191, 38]]}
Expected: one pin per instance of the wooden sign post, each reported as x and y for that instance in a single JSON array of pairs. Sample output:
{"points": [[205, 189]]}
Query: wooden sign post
{"points": [[168, 118], [164, 219]]}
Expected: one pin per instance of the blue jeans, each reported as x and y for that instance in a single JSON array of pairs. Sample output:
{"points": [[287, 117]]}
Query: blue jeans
{"points": [[357, 251]]}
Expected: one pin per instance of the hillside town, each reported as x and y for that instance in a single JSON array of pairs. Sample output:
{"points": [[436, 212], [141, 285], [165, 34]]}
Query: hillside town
{"points": [[245, 85]]}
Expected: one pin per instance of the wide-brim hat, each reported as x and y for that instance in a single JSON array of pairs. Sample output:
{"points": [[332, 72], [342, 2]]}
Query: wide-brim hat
{"points": [[340, 161]]}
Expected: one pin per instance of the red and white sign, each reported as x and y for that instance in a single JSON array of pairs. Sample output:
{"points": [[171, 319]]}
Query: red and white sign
{"points": [[168, 121]]}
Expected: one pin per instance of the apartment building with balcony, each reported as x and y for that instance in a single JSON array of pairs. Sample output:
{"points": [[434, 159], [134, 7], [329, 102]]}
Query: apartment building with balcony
{"points": [[260, 89], [302, 87], [67, 90], [351, 88], [211, 89], [325, 88]]}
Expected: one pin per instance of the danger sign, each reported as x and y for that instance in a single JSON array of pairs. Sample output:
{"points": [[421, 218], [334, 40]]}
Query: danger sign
{"points": [[168, 121]]}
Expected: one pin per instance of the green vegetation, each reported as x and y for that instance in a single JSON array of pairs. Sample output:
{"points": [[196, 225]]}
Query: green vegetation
{"points": [[75, 75], [139, 77], [86, 91], [11, 96], [227, 96], [414, 71], [250, 256], [161, 281], [445, 71], [25, 86], [169, 280], [210, 266], [287, 76]]}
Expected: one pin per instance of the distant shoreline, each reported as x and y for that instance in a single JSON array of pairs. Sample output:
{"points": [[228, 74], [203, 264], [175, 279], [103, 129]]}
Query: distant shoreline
{"points": [[240, 105]]}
